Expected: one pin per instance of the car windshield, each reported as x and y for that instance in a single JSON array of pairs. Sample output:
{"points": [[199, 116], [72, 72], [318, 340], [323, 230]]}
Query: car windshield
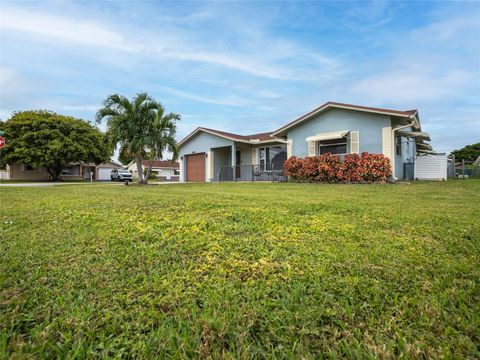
{"points": [[124, 171]]}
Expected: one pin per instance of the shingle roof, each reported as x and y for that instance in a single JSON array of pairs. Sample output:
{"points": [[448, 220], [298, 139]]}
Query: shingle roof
{"points": [[258, 136], [373, 109]]}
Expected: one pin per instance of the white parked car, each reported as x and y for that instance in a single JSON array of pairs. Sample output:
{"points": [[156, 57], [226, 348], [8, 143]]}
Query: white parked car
{"points": [[121, 175]]}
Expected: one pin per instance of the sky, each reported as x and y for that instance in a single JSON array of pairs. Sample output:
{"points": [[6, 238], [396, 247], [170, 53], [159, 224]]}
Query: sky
{"points": [[247, 67]]}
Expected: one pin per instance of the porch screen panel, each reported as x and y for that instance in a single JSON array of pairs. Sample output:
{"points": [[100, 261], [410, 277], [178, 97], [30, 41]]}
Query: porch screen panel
{"points": [[278, 155]]}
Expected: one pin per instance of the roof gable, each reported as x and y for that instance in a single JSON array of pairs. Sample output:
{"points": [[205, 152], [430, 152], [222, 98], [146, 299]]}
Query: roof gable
{"points": [[254, 138], [330, 105]]}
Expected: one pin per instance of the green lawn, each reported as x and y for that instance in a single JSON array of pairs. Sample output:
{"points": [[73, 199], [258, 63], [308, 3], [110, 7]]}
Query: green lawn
{"points": [[241, 271]]}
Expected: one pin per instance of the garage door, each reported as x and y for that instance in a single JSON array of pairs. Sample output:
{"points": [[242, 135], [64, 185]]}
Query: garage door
{"points": [[104, 173], [196, 167]]}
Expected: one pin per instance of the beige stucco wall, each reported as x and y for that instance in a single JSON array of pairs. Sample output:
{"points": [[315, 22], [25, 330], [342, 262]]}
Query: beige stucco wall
{"points": [[15, 172]]}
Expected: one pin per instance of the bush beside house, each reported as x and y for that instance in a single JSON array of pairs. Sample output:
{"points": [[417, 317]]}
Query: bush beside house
{"points": [[352, 168]]}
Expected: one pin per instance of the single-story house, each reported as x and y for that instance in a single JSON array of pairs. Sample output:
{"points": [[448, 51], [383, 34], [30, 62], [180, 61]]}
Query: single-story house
{"points": [[73, 171], [214, 155], [165, 170]]}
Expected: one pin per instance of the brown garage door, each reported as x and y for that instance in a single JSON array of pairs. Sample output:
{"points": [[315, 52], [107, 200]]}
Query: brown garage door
{"points": [[196, 167]]}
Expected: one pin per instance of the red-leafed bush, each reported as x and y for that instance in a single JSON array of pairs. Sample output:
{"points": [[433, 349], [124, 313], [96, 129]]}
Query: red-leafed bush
{"points": [[330, 168], [375, 167], [352, 168]]}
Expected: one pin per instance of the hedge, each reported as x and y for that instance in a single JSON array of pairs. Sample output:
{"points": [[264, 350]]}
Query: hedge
{"points": [[352, 168]]}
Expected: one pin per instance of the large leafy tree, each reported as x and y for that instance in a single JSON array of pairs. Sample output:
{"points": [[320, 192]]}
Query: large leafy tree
{"points": [[46, 139], [135, 126], [469, 152]]}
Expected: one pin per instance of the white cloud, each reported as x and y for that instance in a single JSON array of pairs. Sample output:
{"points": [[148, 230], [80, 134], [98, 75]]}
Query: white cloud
{"points": [[16, 90], [174, 44], [279, 62], [76, 107], [232, 61], [450, 31], [63, 28], [410, 86], [228, 101]]}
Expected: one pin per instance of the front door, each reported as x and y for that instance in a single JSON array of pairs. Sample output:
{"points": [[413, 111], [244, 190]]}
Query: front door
{"points": [[237, 164]]}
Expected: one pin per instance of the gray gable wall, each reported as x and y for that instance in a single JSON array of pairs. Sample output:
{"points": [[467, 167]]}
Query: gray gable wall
{"points": [[369, 126], [202, 142]]}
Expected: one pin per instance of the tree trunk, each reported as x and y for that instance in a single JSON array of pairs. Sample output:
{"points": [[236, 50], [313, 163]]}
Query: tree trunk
{"points": [[149, 170], [138, 160], [51, 173], [55, 172], [58, 172]]}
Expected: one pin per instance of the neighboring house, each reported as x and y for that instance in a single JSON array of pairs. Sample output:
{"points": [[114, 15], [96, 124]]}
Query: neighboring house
{"points": [[73, 171], [165, 170], [213, 155], [86, 171]]}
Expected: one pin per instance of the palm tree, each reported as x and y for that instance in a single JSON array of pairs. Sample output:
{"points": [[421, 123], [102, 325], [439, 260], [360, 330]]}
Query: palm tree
{"points": [[130, 124], [162, 136]]}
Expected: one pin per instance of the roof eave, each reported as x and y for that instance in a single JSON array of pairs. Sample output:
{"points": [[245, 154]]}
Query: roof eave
{"points": [[194, 132], [197, 130]]}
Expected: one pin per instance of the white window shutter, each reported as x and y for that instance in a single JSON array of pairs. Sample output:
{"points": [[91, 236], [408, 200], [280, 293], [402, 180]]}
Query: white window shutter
{"points": [[254, 156], [311, 148], [354, 142]]}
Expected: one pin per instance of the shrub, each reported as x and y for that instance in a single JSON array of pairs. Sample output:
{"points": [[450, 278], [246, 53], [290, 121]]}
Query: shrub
{"points": [[353, 168], [293, 166], [330, 168], [375, 167]]}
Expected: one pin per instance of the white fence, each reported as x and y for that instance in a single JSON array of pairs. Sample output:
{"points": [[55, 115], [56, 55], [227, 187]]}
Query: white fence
{"points": [[431, 167]]}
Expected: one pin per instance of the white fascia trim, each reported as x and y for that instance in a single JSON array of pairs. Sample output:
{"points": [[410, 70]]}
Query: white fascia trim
{"points": [[276, 140]]}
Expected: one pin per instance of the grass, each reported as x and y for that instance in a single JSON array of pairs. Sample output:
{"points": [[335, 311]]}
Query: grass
{"points": [[241, 271]]}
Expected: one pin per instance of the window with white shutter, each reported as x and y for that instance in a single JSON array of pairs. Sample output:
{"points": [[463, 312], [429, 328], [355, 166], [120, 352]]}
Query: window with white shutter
{"points": [[311, 148], [354, 142]]}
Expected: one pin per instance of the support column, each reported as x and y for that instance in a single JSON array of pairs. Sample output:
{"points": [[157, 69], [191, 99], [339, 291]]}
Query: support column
{"points": [[234, 161], [289, 148], [210, 171], [388, 146], [181, 168]]}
